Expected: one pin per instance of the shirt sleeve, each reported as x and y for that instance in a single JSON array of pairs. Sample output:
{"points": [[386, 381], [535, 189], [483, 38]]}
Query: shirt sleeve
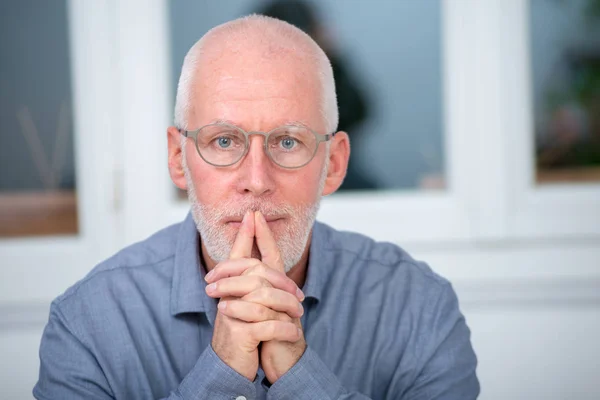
{"points": [[310, 379], [211, 378], [447, 360], [446, 364], [69, 370]]}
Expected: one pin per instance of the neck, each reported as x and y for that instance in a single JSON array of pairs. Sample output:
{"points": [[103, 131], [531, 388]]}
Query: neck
{"points": [[297, 273]]}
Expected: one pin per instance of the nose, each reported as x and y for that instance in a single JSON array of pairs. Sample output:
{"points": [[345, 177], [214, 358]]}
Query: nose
{"points": [[256, 169]]}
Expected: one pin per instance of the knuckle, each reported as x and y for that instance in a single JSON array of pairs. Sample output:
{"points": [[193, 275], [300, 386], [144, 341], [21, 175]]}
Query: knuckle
{"points": [[293, 288], [286, 329], [288, 283], [272, 328], [260, 269], [264, 282], [293, 329], [261, 312], [256, 269], [283, 317], [251, 265], [265, 295]]}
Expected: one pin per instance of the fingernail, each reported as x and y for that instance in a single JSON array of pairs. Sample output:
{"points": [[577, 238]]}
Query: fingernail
{"points": [[211, 288], [300, 309], [261, 217], [245, 217], [222, 305], [209, 275], [300, 294], [299, 332]]}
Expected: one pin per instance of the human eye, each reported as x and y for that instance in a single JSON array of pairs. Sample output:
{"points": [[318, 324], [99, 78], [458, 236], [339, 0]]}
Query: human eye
{"points": [[288, 143], [226, 140], [223, 142], [288, 139]]}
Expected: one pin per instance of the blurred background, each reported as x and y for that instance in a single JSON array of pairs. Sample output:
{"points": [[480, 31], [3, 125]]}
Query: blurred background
{"points": [[475, 133]]}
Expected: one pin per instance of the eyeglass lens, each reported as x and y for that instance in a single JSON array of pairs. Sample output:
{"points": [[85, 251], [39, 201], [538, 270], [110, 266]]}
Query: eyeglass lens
{"points": [[288, 146]]}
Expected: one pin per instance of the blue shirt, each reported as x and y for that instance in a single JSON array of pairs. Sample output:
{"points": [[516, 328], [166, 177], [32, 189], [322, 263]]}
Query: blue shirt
{"points": [[378, 324]]}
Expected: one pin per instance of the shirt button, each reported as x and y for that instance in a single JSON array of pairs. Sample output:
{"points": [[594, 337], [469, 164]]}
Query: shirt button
{"points": [[240, 398]]}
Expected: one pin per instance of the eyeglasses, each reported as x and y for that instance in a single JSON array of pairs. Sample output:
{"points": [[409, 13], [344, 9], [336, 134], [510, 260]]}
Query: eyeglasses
{"points": [[289, 146]]}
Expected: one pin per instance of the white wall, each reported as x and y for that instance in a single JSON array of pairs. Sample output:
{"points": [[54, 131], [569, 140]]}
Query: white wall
{"points": [[20, 362], [537, 351]]}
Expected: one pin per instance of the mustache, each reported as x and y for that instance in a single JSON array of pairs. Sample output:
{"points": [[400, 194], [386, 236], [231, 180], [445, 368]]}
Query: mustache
{"points": [[236, 209]]}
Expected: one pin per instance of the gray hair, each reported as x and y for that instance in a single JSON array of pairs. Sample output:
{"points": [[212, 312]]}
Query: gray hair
{"points": [[289, 38]]}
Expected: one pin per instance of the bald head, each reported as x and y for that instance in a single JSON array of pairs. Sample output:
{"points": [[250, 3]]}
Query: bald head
{"points": [[255, 53]]}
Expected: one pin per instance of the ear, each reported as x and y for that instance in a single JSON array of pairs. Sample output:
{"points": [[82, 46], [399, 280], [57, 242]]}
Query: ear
{"points": [[175, 158], [339, 152]]}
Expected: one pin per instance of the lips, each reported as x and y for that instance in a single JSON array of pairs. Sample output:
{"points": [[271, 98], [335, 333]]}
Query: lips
{"points": [[237, 221], [273, 218]]}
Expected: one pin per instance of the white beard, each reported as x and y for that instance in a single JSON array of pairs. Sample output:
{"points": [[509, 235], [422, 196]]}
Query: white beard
{"points": [[291, 241]]}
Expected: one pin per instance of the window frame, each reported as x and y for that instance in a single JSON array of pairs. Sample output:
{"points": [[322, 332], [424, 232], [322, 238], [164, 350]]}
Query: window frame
{"points": [[37, 269]]}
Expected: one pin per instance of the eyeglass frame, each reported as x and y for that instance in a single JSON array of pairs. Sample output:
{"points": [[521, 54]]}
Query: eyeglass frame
{"points": [[194, 135]]}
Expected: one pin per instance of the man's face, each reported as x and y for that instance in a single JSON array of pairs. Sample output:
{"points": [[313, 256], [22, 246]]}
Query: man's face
{"points": [[256, 95]]}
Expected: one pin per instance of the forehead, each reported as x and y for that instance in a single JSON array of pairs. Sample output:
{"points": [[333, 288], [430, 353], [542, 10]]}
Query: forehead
{"points": [[256, 91]]}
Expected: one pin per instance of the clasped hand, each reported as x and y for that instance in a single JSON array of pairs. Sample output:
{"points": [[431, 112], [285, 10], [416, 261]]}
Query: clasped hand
{"points": [[259, 305]]}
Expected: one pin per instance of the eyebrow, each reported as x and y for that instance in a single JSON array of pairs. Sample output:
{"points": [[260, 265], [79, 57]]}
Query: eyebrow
{"points": [[297, 123], [222, 121]]}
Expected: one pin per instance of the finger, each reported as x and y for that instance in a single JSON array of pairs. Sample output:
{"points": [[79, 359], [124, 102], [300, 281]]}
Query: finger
{"points": [[236, 286], [275, 330], [276, 300], [227, 268], [250, 312], [253, 267], [266, 243], [277, 279], [242, 247]]}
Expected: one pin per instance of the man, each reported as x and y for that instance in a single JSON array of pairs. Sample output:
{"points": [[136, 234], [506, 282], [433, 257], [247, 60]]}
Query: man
{"points": [[249, 297]]}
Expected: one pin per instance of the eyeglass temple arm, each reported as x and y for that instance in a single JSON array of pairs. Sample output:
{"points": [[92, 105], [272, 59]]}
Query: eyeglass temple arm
{"points": [[328, 136], [187, 133]]}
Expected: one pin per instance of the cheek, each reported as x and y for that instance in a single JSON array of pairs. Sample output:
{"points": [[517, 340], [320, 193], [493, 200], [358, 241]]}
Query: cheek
{"points": [[212, 186], [301, 186]]}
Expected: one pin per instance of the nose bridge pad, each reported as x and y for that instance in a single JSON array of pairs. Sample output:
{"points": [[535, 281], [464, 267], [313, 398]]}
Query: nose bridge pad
{"points": [[264, 146]]}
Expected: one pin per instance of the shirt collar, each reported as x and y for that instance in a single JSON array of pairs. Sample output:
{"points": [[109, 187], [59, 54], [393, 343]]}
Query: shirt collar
{"points": [[319, 263], [188, 293]]}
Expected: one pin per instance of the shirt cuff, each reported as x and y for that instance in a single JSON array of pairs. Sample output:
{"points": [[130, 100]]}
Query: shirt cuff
{"points": [[310, 378], [211, 379]]}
